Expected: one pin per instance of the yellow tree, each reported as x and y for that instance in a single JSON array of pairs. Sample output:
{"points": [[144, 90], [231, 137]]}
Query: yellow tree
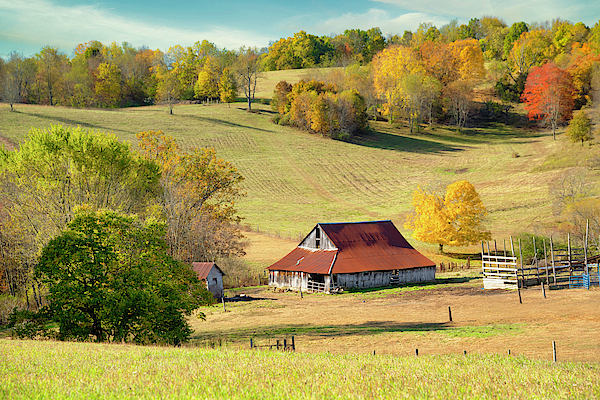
{"points": [[468, 59], [453, 219], [108, 84], [228, 88], [390, 67], [208, 79]]}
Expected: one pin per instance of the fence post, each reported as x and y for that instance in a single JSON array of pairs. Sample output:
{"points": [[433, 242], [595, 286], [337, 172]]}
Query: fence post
{"points": [[251, 343], [553, 351], [450, 313], [293, 344], [416, 352]]}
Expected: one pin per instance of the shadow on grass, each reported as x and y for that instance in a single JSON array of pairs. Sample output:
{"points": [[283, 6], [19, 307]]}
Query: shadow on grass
{"points": [[221, 122], [365, 329], [430, 284], [388, 141], [75, 123]]}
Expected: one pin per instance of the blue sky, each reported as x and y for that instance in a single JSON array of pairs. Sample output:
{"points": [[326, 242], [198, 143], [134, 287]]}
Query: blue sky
{"points": [[28, 25]]}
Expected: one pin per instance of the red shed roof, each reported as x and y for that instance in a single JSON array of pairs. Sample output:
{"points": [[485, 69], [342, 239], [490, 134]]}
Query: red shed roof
{"points": [[361, 247], [202, 269]]}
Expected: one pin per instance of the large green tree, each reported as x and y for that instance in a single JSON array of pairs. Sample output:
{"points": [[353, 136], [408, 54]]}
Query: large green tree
{"points": [[110, 279]]}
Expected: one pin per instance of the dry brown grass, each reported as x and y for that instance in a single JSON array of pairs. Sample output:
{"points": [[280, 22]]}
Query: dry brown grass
{"points": [[397, 321]]}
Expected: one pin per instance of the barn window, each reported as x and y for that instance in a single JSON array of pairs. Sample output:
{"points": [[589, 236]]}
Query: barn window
{"points": [[318, 238]]}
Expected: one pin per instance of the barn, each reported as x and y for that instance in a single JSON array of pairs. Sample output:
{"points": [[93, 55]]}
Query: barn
{"points": [[351, 255], [212, 275]]}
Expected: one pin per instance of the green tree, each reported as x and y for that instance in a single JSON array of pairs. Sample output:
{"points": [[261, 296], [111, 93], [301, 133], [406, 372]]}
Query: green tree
{"points": [[110, 279], [580, 128], [168, 87], [514, 33]]}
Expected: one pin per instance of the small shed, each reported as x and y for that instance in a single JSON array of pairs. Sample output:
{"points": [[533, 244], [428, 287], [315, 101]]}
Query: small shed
{"points": [[210, 273], [351, 255]]}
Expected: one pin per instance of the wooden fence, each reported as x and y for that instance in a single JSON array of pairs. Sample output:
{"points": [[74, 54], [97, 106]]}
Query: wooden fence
{"points": [[280, 344]]}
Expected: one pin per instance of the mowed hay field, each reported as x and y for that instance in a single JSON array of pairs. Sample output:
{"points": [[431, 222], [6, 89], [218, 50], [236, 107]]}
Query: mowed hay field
{"points": [[295, 180]]}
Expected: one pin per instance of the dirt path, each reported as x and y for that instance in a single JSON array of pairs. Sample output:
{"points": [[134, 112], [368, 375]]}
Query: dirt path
{"points": [[400, 321]]}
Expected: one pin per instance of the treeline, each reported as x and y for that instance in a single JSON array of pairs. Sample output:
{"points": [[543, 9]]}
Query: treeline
{"points": [[121, 76]]}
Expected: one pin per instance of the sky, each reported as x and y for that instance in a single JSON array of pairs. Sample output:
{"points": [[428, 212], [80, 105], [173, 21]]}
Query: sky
{"points": [[26, 26]]}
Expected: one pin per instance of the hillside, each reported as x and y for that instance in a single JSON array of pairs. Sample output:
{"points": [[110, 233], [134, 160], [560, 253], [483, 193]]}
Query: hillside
{"points": [[294, 179]]}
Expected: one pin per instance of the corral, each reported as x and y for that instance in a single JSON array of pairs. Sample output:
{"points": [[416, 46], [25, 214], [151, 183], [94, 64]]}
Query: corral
{"points": [[557, 266]]}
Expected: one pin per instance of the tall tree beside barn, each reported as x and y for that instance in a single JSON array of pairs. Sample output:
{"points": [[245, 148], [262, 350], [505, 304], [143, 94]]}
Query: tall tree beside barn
{"points": [[454, 218], [197, 199], [548, 95]]}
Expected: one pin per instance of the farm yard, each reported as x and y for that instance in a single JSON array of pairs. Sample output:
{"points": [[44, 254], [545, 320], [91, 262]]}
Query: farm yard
{"points": [[396, 321]]}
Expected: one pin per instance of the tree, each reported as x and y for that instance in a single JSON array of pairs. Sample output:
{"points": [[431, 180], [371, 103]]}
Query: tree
{"points": [[207, 85], [514, 33], [168, 87], [197, 199], [59, 169], [108, 84], [459, 95], [248, 72], [228, 88], [454, 218], [548, 95], [110, 279], [50, 62], [580, 128], [389, 69]]}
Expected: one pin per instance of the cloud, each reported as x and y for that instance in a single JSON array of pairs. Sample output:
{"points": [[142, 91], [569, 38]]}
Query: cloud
{"points": [[41, 22], [512, 10], [388, 23]]}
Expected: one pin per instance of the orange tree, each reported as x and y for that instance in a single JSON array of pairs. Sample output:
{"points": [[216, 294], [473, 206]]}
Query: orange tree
{"points": [[453, 219], [548, 95]]}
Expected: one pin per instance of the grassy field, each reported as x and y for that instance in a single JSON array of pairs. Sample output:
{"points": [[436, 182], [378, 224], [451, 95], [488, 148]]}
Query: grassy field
{"points": [[295, 180], [50, 370]]}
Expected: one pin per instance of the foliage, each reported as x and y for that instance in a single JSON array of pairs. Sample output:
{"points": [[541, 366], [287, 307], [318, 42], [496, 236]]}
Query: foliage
{"points": [[108, 84], [197, 199], [168, 88], [318, 107], [459, 96], [281, 102], [228, 88], [580, 128], [207, 85], [59, 169], [514, 33], [110, 279], [453, 219], [548, 95]]}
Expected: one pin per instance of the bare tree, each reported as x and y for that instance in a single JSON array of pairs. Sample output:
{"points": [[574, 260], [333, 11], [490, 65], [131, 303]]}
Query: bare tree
{"points": [[248, 72], [459, 94]]}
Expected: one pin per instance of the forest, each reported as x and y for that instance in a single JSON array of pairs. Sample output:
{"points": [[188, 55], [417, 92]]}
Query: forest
{"points": [[438, 63]]}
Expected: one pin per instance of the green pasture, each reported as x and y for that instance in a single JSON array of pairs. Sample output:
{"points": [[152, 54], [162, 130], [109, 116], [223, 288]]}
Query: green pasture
{"points": [[51, 370]]}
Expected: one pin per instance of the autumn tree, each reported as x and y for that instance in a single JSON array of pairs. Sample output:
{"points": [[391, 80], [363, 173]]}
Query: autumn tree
{"points": [[49, 71], [280, 102], [108, 84], [197, 199], [390, 67], [548, 95], [514, 33], [228, 88], [454, 218], [207, 85], [459, 97], [580, 128], [168, 87]]}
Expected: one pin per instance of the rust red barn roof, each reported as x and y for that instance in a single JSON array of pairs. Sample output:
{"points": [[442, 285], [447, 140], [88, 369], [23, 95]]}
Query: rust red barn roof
{"points": [[359, 247], [202, 269]]}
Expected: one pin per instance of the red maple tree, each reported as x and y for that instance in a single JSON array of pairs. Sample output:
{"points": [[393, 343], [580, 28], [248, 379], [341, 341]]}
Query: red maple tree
{"points": [[548, 95]]}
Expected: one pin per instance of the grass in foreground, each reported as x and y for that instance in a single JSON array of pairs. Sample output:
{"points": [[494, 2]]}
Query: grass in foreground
{"points": [[45, 370]]}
